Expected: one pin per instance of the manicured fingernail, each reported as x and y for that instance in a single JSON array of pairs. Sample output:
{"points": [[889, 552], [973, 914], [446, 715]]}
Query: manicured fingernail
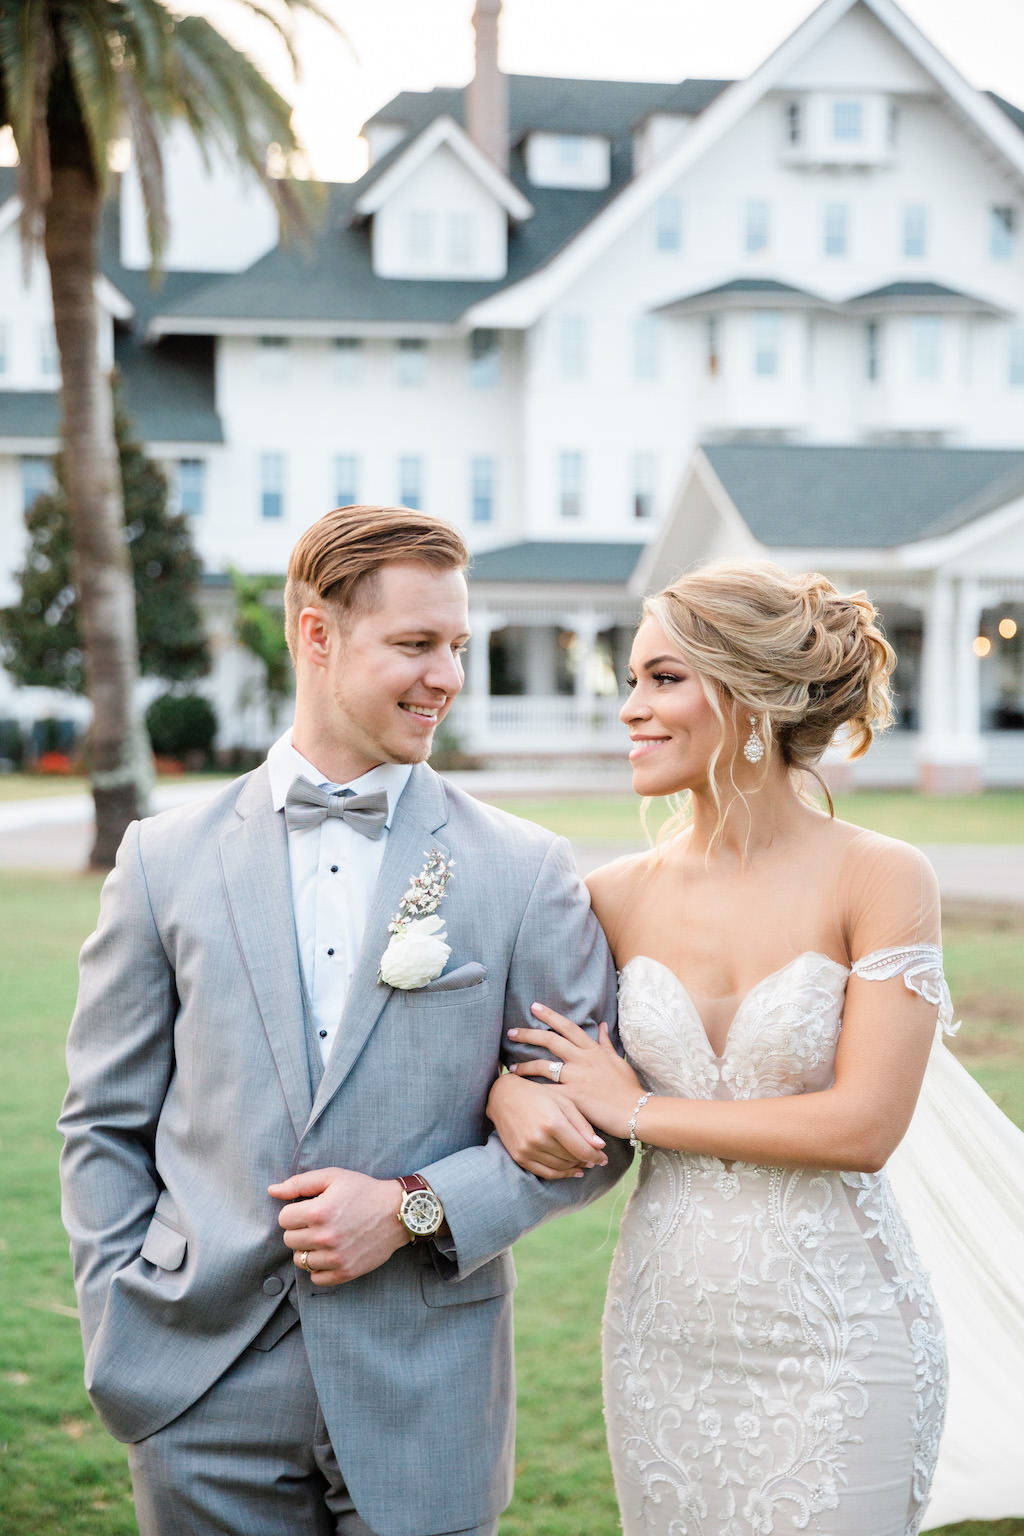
{"points": [[513, 1068], [578, 1174], [537, 1008], [513, 1033], [595, 1141]]}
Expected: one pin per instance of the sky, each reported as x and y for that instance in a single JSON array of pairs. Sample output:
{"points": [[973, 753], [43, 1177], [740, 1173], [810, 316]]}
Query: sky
{"points": [[396, 45]]}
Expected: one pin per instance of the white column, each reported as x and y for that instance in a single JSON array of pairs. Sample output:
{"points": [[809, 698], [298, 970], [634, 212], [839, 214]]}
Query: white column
{"points": [[482, 624], [586, 627], [540, 660], [949, 746]]}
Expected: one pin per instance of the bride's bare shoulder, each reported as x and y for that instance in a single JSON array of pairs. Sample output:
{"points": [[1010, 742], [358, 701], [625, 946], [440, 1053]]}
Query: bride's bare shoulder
{"points": [[614, 883]]}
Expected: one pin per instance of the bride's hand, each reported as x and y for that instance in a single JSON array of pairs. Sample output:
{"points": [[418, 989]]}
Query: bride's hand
{"points": [[600, 1083], [542, 1130]]}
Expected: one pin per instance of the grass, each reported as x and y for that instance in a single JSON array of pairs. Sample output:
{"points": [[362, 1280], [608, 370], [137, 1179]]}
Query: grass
{"points": [[61, 1475], [43, 786], [993, 818]]}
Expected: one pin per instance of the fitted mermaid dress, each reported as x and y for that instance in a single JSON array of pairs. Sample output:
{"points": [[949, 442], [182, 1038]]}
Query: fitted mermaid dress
{"points": [[773, 1356]]}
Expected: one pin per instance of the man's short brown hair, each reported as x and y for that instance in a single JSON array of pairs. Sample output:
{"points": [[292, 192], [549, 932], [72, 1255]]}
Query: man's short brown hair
{"points": [[334, 562]]}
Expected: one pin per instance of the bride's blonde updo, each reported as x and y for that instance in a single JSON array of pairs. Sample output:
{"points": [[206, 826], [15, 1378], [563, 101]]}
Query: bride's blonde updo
{"points": [[805, 661]]}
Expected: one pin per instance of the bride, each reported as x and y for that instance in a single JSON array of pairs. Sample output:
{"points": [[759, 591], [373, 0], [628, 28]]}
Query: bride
{"points": [[774, 1358]]}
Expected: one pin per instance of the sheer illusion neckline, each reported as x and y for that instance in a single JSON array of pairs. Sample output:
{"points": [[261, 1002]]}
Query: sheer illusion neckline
{"points": [[743, 999]]}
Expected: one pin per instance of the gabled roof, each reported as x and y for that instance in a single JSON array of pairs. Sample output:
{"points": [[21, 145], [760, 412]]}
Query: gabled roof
{"points": [[380, 182], [520, 305], [861, 497], [537, 561], [924, 296], [747, 293]]}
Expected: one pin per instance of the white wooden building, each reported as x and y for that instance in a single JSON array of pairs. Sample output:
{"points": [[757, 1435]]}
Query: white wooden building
{"points": [[608, 328]]}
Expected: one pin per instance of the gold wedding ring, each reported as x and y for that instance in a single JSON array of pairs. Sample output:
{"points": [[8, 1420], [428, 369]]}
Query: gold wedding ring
{"points": [[304, 1261]]}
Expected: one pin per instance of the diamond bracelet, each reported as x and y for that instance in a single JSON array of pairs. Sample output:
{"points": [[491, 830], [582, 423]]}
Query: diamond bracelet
{"points": [[634, 1140]]}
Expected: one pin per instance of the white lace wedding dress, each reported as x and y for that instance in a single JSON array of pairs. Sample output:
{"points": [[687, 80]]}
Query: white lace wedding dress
{"points": [[773, 1356]]}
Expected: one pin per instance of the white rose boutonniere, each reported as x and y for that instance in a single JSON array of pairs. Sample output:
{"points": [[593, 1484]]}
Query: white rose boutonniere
{"points": [[418, 951]]}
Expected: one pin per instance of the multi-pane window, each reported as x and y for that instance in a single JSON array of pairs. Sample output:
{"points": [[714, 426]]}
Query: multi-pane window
{"points": [[346, 479], [37, 479], [926, 334], [668, 224], [757, 225], [461, 238], [915, 230], [572, 346], [837, 229], [1017, 356], [348, 359], [570, 148], [3, 347], [49, 361], [274, 358], [570, 484], [873, 351], [712, 345], [644, 475], [847, 121], [412, 361], [272, 475], [794, 123], [410, 480], [191, 486], [484, 359], [419, 234], [766, 334], [482, 477], [1001, 228], [646, 346]]}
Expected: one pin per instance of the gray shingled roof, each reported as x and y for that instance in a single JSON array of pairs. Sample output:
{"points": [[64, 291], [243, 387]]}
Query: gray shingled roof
{"points": [[938, 293], [874, 497], [537, 561], [765, 289], [549, 104]]}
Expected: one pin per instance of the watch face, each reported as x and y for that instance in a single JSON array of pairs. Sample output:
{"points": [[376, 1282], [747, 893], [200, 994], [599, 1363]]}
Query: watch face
{"points": [[422, 1213]]}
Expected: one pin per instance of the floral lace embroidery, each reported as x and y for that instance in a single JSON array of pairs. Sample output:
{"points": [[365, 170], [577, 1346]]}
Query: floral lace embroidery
{"points": [[753, 1312], [921, 968]]}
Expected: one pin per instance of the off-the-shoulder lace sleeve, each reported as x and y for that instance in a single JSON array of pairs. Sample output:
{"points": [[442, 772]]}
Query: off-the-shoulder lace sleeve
{"points": [[920, 965]]}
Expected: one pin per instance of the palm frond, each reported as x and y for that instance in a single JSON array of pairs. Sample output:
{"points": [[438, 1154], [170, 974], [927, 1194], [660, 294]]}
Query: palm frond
{"points": [[149, 163], [93, 51], [27, 59]]}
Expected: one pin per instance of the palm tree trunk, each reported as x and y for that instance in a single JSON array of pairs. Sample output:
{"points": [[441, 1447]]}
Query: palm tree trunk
{"points": [[92, 475]]}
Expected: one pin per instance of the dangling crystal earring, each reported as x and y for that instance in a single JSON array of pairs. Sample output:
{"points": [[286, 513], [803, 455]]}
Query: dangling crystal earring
{"points": [[753, 747]]}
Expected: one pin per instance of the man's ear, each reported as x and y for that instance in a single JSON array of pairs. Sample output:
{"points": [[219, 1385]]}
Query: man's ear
{"points": [[316, 636]]}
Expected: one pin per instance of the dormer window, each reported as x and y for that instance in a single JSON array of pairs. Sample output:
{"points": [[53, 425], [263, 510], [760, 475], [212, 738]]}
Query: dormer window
{"points": [[462, 238], [577, 160], [420, 236], [794, 123], [847, 121]]}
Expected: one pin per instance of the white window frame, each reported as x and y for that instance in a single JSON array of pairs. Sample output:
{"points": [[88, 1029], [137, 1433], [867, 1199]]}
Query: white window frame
{"points": [[347, 475], [757, 225], [191, 486], [644, 483], [836, 230], [668, 224], [1015, 359], [273, 479], [646, 347], [766, 344], [915, 230], [484, 358], [411, 478], [348, 359], [847, 114], [483, 479], [572, 346], [38, 478], [1002, 226], [420, 236], [463, 228], [49, 356], [274, 359], [927, 335], [411, 361]]}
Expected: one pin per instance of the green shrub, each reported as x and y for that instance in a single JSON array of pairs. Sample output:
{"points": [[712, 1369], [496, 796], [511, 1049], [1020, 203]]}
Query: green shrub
{"points": [[181, 725]]}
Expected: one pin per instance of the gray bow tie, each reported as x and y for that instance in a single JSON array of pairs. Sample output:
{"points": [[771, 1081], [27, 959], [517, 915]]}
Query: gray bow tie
{"points": [[307, 806]]}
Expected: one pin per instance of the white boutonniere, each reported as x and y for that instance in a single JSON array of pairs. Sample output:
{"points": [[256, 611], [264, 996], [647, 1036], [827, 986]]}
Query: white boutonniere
{"points": [[417, 952]]}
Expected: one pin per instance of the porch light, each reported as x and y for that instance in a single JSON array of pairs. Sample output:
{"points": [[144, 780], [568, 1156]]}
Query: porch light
{"points": [[981, 645], [1007, 628]]}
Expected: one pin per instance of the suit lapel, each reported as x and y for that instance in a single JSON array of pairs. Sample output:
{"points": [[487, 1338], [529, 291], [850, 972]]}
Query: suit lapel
{"points": [[421, 811], [257, 880]]}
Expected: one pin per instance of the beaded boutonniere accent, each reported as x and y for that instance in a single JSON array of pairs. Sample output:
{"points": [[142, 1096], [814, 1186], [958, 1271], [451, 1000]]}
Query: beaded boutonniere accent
{"points": [[417, 951]]}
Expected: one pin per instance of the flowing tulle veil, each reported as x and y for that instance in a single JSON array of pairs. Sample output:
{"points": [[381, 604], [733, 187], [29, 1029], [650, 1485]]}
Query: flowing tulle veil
{"points": [[959, 1178]]}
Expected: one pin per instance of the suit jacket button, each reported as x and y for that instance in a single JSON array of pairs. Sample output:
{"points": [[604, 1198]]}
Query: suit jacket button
{"points": [[274, 1286]]}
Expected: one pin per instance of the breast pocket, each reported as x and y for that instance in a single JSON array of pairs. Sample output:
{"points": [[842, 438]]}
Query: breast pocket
{"points": [[457, 989]]}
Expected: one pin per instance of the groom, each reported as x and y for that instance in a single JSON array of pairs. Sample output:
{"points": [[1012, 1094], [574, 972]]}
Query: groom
{"points": [[289, 1225]]}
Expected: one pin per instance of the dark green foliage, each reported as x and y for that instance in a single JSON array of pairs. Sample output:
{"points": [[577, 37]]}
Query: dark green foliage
{"points": [[260, 629], [180, 724], [39, 634]]}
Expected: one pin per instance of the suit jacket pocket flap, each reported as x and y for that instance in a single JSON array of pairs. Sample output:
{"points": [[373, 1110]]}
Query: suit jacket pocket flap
{"points": [[163, 1245], [494, 1279]]}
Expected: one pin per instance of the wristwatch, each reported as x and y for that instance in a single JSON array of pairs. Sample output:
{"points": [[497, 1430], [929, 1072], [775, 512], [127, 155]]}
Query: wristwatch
{"points": [[421, 1212]]}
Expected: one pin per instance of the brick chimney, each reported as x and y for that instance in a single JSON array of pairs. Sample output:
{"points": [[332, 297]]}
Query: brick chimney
{"points": [[487, 92]]}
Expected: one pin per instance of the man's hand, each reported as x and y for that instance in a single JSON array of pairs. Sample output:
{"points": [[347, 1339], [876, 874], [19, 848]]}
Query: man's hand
{"points": [[345, 1223]]}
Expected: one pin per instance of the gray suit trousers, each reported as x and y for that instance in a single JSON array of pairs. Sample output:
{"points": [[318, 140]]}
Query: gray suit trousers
{"points": [[215, 1471]]}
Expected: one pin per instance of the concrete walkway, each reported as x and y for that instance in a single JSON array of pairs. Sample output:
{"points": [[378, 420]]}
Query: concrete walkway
{"points": [[55, 833]]}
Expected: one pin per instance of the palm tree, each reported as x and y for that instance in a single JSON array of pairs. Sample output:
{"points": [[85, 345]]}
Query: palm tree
{"points": [[74, 76]]}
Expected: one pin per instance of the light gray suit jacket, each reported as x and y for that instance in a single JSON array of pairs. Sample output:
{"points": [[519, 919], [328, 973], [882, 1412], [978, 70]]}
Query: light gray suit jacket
{"points": [[190, 1092]]}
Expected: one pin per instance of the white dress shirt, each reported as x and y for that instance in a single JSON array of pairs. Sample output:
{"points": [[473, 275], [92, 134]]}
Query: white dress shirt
{"points": [[334, 873]]}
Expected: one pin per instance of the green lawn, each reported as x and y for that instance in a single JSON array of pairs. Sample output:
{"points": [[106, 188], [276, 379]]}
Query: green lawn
{"points": [[60, 1475], [997, 817]]}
